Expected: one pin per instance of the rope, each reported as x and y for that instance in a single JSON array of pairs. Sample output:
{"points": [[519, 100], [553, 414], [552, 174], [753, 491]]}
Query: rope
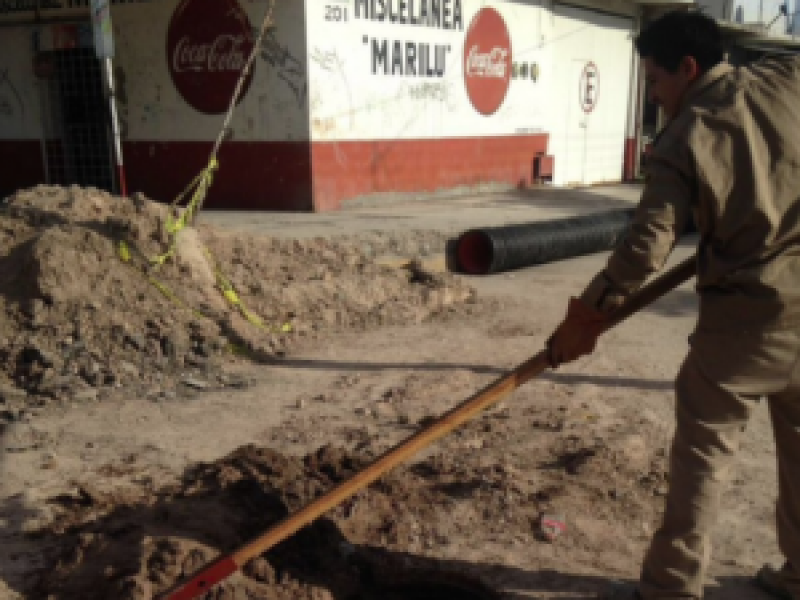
{"points": [[265, 24], [201, 185]]}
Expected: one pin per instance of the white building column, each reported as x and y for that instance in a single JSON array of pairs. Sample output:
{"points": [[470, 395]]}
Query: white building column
{"points": [[634, 125]]}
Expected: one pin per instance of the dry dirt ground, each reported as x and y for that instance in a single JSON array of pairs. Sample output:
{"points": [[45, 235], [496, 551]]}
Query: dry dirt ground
{"points": [[143, 434]]}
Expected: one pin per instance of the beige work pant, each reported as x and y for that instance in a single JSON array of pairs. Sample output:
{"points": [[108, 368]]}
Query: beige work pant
{"points": [[719, 383]]}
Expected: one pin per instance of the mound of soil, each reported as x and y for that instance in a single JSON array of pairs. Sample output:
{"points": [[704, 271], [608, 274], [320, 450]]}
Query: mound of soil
{"points": [[137, 547], [78, 321]]}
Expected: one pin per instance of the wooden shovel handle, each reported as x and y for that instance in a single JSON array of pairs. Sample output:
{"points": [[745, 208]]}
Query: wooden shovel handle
{"points": [[491, 394], [671, 279]]}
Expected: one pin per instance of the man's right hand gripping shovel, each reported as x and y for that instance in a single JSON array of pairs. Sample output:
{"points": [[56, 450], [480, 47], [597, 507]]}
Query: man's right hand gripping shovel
{"points": [[577, 334]]}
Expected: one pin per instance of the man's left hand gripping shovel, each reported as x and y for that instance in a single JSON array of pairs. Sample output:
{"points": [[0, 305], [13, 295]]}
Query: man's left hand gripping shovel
{"points": [[494, 392]]}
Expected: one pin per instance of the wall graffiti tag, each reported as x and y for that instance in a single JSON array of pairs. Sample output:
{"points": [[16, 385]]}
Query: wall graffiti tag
{"points": [[439, 91], [328, 60], [335, 74], [289, 68], [11, 104]]}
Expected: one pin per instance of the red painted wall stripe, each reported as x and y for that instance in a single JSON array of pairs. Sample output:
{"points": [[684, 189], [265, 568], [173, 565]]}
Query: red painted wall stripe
{"points": [[251, 175], [299, 176], [345, 170], [22, 166]]}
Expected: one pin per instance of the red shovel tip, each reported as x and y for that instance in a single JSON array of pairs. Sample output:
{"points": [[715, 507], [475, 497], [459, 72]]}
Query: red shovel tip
{"points": [[204, 580]]}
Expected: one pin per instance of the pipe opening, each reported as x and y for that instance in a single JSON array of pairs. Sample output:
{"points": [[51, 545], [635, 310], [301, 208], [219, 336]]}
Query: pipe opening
{"points": [[475, 253]]}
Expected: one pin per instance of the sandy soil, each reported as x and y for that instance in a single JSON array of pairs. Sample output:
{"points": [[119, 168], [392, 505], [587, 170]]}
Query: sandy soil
{"points": [[126, 466]]}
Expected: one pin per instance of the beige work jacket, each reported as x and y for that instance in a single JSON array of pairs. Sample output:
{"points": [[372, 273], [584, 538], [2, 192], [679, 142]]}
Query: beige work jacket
{"points": [[731, 156]]}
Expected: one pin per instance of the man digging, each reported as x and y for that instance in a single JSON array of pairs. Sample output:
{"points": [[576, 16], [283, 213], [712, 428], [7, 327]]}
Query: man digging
{"points": [[730, 155]]}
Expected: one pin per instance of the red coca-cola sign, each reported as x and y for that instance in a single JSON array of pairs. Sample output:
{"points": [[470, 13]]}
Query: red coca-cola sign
{"points": [[208, 43], [487, 61]]}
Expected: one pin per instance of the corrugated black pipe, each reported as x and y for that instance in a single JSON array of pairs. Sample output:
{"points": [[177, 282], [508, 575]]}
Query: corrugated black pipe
{"points": [[496, 249]]}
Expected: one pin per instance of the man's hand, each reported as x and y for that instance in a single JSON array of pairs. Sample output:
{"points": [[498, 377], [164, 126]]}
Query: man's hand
{"points": [[577, 334]]}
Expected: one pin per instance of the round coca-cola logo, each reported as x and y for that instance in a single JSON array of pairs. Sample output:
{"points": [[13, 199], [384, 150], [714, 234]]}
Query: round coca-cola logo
{"points": [[208, 43], [487, 61]]}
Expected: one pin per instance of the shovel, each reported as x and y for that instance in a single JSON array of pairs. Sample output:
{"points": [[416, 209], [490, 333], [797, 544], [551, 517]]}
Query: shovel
{"points": [[213, 574]]}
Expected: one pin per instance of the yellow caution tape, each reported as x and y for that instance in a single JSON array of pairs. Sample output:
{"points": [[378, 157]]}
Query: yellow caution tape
{"points": [[225, 286], [229, 293], [126, 256], [231, 296], [201, 184], [169, 294], [124, 252], [238, 350], [173, 227]]}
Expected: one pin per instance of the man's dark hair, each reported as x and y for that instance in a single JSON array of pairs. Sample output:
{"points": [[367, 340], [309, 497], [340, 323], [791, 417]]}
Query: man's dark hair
{"points": [[670, 38]]}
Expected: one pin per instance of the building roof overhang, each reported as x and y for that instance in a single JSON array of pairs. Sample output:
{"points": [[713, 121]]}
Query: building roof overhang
{"points": [[755, 37]]}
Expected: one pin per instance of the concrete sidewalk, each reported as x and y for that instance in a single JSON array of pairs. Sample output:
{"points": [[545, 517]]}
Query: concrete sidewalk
{"points": [[449, 214]]}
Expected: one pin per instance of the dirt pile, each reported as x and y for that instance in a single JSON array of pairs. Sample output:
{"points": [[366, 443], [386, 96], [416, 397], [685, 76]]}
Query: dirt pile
{"points": [[137, 547], [137, 544], [77, 321]]}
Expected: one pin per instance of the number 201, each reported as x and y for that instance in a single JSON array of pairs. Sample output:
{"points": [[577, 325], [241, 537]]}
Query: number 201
{"points": [[335, 13]]}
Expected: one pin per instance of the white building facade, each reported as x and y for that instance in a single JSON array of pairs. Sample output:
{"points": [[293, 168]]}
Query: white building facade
{"points": [[348, 98]]}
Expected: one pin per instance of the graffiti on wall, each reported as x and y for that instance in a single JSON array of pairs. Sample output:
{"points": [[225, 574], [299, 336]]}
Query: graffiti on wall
{"points": [[289, 68], [328, 60], [333, 79], [332, 82], [11, 104], [439, 91]]}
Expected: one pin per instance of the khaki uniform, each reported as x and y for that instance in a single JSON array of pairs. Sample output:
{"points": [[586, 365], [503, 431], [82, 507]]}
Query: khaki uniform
{"points": [[731, 157]]}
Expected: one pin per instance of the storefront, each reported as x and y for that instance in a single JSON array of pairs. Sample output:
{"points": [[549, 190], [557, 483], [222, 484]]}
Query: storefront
{"points": [[348, 98]]}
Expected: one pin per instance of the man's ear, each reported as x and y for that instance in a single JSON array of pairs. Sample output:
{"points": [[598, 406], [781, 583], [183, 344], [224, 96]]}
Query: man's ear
{"points": [[690, 68]]}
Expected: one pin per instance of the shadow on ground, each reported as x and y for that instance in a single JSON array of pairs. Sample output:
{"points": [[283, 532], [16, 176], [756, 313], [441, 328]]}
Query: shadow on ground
{"points": [[319, 555], [561, 378]]}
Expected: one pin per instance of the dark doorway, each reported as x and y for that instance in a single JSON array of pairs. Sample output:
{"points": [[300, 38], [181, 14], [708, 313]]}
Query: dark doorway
{"points": [[77, 138]]}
